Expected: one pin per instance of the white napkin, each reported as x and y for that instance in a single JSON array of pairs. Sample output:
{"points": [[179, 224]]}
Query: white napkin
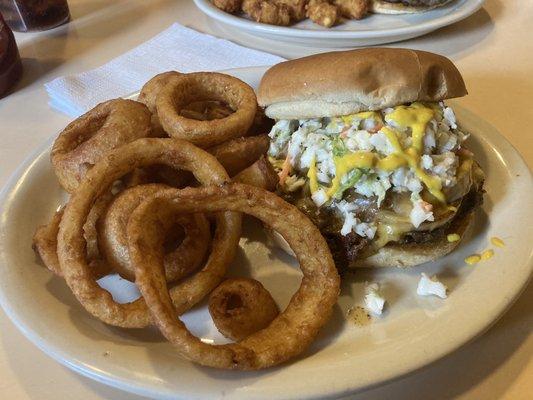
{"points": [[177, 48]]}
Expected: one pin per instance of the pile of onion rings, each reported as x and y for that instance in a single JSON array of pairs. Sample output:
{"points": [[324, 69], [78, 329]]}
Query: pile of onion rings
{"points": [[157, 188]]}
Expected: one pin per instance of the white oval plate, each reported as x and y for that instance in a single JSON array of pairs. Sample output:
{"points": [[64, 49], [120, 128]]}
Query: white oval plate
{"points": [[372, 30], [414, 331]]}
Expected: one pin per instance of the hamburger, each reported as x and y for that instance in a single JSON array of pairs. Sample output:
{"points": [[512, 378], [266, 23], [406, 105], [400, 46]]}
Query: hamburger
{"points": [[405, 6], [365, 146]]}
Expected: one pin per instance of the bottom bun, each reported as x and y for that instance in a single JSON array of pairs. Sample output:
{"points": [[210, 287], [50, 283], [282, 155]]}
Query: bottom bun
{"points": [[400, 255], [384, 7], [411, 254]]}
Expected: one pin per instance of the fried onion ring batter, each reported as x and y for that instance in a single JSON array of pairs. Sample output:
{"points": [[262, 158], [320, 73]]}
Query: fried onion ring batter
{"points": [[293, 330], [148, 96], [45, 240], [87, 139], [178, 154], [240, 307], [179, 262], [201, 86]]}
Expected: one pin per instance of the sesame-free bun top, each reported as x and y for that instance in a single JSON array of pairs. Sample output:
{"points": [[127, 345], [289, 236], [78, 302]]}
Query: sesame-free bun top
{"points": [[347, 82]]}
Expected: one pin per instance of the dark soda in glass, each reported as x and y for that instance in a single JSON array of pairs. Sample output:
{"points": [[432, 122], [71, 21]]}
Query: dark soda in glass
{"points": [[10, 65], [34, 15]]}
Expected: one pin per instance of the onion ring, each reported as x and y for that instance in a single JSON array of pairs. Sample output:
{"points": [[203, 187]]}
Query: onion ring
{"points": [[45, 240], [71, 254], [238, 154], [149, 93], [113, 242], [206, 110], [45, 243], [293, 330], [234, 155], [85, 140], [151, 89], [259, 174], [198, 86], [240, 307]]}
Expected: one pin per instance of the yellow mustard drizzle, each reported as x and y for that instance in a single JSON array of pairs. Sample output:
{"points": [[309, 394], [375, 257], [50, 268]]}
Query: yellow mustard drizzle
{"points": [[416, 116], [393, 139], [496, 241], [344, 164], [487, 254], [473, 259], [311, 174], [410, 157]]}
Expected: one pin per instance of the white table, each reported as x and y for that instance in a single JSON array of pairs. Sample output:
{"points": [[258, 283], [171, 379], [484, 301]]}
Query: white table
{"points": [[494, 51]]}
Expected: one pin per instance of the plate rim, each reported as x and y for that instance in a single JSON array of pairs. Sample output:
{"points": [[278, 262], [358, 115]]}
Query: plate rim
{"points": [[137, 387], [469, 8]]}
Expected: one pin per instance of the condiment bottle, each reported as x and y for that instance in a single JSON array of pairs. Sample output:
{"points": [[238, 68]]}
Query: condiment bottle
{"points": [[10, 65], [34, 15]]}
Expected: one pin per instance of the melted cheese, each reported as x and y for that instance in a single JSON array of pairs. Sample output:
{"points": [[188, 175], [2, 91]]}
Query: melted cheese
{"points": [[388, 232]]}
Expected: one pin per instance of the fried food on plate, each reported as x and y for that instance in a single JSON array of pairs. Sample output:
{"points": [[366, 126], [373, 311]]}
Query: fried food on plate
{"points": [[267, 12], [230, 6], [70, 244], [286, 12], [149, 93], [296, 8], [322, 12], [85, 140], [235, 155], [129, 213], [206, 110], [353, 9], [260, 174], [293, 330], [188, 88], [238, 154], [151, 89], [44, 243], [45, 240], [240, 307], [179, 261]]}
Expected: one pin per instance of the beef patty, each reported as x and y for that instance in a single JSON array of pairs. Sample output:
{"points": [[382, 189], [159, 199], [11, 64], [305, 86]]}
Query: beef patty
{"points": [[348, 248]]}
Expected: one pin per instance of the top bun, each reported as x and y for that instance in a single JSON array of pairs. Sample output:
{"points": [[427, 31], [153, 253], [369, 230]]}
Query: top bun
{"points": [[385, 7], [347, 82]]}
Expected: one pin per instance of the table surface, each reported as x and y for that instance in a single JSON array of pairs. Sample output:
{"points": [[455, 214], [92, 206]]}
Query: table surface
{"points": [[494, 51]]}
